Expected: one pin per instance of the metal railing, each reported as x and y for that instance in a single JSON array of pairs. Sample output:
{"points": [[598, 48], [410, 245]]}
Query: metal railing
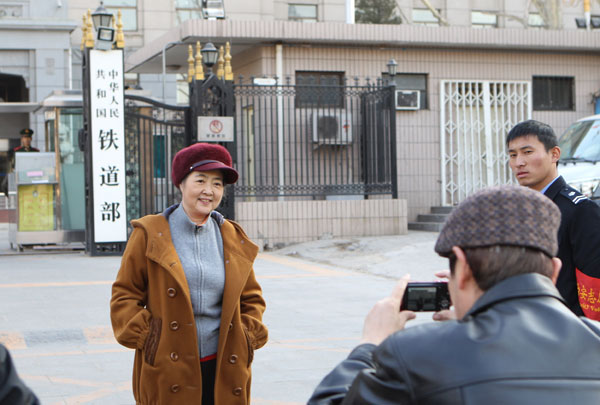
{"points": [[314, 140]]}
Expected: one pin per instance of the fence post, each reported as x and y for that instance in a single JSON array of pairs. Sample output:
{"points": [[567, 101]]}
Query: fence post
{"points": [[393, 146]]}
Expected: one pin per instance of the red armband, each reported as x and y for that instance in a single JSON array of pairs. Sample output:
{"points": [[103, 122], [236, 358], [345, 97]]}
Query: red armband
{"points": [[588, 289]]}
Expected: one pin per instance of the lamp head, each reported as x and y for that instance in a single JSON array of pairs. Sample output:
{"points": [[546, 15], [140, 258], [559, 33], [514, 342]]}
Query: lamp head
{"points": [[580, 22], [102, 17], [209, 54], [392, 67]]}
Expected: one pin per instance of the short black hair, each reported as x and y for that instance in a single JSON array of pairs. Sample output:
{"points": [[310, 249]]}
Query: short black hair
{"points": [[544, 133]]}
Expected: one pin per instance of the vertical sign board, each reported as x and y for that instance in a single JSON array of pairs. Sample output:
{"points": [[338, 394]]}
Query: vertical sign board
{"points": [[108, 145]]}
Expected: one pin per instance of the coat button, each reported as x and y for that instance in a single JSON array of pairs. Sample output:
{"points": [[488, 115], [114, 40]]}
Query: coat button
{"points": [[171, 292], [175, 388], [160, 234], [174, 356], [174, 325], [242, 242], [226, 261], [237, 391], [230, 326], [233, 359]]}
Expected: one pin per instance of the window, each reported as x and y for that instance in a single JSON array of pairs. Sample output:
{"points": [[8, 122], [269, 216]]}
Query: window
{"points": [[183, 89], [128, 11], [302, 12], [412, 81], [535, 20], [131, 81], [319, 89], [480, 19], [423, 16], [187, 10], [553, 93]]}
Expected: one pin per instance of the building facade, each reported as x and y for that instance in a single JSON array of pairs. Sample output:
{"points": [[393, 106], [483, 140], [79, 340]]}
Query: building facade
{"points": [[478, 67]]}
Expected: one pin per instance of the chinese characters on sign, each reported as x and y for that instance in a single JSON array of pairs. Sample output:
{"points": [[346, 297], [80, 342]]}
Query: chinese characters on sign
{"points": [[108, 145], [215, 129]]}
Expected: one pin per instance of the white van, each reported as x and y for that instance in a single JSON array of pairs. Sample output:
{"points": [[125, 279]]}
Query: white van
{"points": [[580, 156]]}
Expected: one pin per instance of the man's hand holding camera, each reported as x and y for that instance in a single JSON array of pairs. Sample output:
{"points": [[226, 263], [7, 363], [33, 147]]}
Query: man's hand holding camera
{"points": [[385, 317]]}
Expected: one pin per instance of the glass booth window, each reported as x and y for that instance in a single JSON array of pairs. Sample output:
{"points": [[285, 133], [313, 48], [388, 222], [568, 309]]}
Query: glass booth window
{"points": [[72, 172]]}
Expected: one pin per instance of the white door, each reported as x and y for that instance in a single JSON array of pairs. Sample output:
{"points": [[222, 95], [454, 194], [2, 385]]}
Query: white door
{"points": [[475, 118]]}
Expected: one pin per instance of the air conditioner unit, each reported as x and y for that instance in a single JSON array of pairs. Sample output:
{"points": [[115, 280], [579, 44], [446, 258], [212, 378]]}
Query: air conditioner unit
{"points": [[408, 100], [332, 127]]}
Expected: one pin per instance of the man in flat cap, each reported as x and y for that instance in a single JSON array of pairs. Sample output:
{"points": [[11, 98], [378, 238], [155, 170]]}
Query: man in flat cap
{"points": [[507, 345]]}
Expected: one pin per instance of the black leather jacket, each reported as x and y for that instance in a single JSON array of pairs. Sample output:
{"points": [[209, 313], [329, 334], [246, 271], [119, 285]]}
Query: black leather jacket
{"points": [[12, 390], [519, 344]]}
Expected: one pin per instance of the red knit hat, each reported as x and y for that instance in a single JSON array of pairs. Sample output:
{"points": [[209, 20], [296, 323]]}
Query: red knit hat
{"points": [[201, 157]]}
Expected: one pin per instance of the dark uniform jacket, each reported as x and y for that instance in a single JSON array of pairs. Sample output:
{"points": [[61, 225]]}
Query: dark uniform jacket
{"points": [[24, 149], [578, 249], [12, 389], [508, 349]]}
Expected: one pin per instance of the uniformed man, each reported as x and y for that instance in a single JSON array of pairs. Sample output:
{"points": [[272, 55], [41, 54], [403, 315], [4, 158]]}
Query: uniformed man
{"points": [[26, 134], [534, 154]]}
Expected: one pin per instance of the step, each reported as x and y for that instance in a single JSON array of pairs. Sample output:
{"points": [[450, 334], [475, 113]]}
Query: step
{"points": [[432, 218], [425, 226], [441, 210]]}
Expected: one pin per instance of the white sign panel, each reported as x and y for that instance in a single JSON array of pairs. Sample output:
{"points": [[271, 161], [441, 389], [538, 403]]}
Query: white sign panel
{"points": [[215, 129], [108, 145]]}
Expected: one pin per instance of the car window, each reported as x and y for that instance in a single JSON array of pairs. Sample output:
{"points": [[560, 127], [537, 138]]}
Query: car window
{"points": [[581, 141]]}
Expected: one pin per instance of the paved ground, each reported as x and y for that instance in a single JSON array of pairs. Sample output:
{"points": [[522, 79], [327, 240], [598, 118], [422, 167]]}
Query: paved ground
{"points": [[54, 315]]}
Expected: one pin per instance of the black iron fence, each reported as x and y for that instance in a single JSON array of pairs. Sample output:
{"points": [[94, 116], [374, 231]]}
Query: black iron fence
{"points": [[314, 140], [154, 132], [301, 140]]}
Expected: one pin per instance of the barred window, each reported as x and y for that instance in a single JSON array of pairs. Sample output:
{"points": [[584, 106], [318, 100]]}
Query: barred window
{"points": [[553, 93], [319, 89]]}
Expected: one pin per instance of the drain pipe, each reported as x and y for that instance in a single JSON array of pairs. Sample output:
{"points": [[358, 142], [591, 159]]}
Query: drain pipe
{"points": [[280, 150]]}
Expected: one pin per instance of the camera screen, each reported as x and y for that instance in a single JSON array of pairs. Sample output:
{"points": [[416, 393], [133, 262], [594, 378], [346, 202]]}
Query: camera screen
{"points": [[421, 298]]}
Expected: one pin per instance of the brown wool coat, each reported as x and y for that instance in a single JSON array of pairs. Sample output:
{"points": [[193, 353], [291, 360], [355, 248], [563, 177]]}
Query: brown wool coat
{"points": [[151, 312]]}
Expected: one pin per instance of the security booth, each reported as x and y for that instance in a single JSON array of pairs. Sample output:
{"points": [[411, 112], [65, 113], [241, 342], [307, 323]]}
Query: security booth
{"points": [[49, 187]]}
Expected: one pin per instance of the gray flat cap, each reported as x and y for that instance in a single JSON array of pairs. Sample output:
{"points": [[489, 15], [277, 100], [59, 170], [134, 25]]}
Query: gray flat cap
{"points": [[504, 215]]}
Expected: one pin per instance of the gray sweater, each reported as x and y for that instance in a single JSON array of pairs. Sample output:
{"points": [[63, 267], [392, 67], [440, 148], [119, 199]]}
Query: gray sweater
{"points": [[200, 250]]}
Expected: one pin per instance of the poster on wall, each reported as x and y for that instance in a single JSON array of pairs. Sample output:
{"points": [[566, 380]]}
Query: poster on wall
{"points": [[36, 207], [108, 145]]}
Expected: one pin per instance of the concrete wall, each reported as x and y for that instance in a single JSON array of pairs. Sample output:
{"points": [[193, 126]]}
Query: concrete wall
{"points": [[270, 224]]}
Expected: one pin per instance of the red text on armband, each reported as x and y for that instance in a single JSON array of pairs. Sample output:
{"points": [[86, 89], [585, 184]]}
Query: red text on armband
{"points": [[588, 289]]}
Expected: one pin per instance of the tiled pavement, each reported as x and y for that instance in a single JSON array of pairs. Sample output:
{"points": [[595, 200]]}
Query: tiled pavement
{"points": [[54, 318]]}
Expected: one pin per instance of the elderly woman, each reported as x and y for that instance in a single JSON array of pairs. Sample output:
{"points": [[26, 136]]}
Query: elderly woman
{"points": [[186, 297]]}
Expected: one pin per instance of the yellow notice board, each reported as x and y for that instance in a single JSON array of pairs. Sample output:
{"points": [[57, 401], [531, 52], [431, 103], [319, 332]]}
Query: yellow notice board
{"points": [[36, 207]]}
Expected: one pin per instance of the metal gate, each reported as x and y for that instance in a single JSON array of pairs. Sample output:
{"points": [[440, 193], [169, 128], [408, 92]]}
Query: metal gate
{"points": [[154, 132], [318, 141], [475, 118]]}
